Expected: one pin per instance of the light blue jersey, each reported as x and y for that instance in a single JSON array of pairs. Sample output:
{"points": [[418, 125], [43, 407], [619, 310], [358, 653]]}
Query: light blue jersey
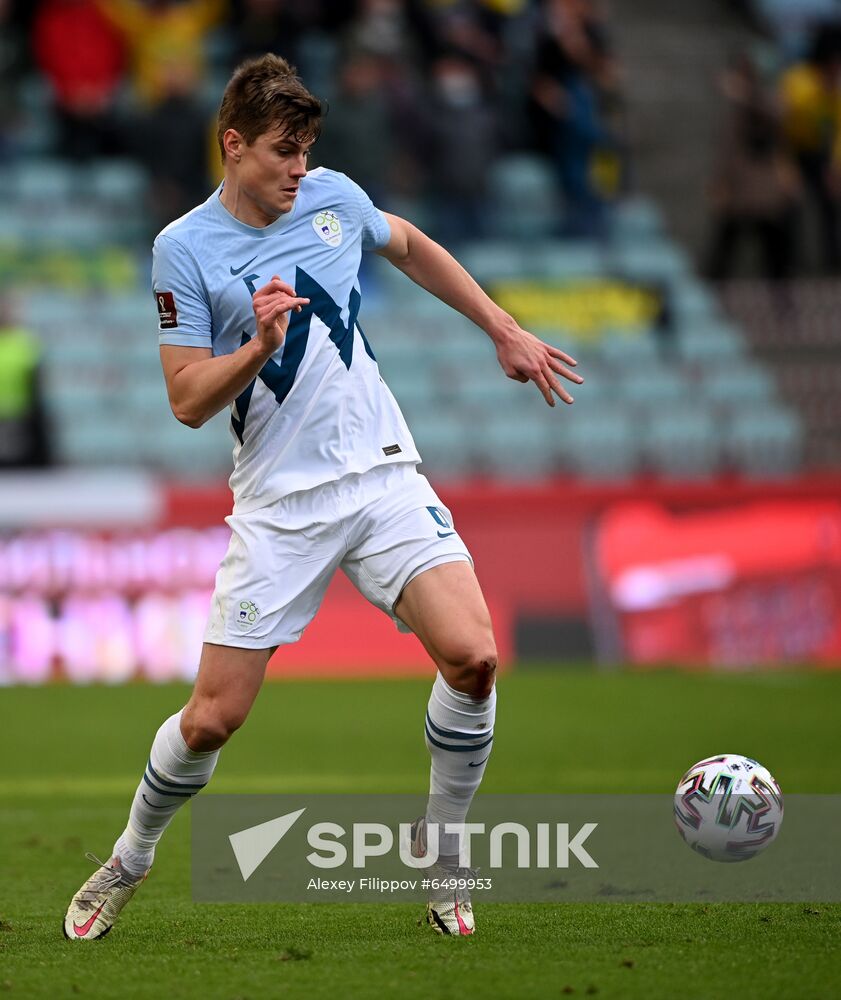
{"points": [[319, 409]]}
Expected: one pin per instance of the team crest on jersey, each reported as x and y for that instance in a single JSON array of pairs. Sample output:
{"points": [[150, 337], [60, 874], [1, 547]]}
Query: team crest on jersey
{"points": [[328, 227]]}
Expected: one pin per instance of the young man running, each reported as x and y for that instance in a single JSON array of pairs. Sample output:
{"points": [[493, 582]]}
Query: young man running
{"points": [[258, 296]]}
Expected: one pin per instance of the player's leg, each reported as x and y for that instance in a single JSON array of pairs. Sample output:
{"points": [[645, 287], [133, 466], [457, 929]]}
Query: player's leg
{"points": [[258, 605], [408, 560], [182, 758], [445, 608], [186, 747]]}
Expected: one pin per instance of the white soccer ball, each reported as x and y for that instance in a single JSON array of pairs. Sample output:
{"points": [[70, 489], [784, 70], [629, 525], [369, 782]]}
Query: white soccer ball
{"points": [[728, 807]]}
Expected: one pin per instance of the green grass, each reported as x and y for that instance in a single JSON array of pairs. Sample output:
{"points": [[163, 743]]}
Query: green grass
{"points": [[72, 757]]}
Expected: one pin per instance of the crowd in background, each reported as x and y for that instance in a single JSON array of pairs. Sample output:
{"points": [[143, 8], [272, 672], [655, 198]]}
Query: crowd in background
{"points": [[423, 95], [424, 98], [778, 177]]}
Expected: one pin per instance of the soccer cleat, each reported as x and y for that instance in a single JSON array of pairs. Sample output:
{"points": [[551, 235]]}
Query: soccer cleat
{"points": [[449, 909], [98, 903]]}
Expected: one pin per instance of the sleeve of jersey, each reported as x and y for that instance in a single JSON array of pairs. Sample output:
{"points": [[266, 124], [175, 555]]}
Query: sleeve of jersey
{"points": [[180, 295], [376, 231]]}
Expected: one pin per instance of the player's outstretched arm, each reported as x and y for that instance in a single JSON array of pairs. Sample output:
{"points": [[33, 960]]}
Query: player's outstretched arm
{"points": [[521, 355], [200, 385]]}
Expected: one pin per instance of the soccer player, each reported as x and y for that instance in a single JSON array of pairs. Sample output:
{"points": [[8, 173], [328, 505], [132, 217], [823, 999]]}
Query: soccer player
{"points": [[258, 298]]}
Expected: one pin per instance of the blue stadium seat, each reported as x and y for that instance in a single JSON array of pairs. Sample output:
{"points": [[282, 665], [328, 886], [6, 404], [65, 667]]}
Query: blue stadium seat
{"points": [[733, 385], [567, 259], [765, 441], [493, 260], [635, 220], [712, 342], [692, 301], [444, 444], [119, 183], [523, 193], [683, 441], [604, 444], [655, 386], [53, 314], [511, 446], [42, 184], [623, 348], [656, 261]]}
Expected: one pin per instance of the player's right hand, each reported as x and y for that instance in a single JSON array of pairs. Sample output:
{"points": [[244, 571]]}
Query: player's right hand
{"points": [[272, 304]]}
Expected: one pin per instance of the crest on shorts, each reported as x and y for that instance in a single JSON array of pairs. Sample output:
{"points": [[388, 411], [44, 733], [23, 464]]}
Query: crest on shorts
{"points": [[247, 614], [328, 227]]}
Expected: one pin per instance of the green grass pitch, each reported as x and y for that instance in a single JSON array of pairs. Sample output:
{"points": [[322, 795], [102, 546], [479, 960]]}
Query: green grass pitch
{"points": [[72, 757]]}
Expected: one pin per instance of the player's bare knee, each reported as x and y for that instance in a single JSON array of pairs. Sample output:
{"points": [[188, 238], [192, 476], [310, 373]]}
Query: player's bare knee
{"points": [[209, 727], [484, 676], [473, 672]]}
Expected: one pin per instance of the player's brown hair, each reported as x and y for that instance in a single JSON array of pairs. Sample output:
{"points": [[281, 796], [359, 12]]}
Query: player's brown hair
{"points": [[265, 93]]}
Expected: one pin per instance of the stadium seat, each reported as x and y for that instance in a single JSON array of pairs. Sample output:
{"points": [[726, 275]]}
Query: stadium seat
{"points": [[509, 445], [657, 261], [54, 314], [75, 227], [765, 441], [683, 441], [712, 342], [492, 260], [523, 193], [690, 301], [623, 348], [118, 183], [635, 220], [96, 438], [654, 386], [557, 259], [444, 442], [42, 184], [731, 386], [604, 444]]}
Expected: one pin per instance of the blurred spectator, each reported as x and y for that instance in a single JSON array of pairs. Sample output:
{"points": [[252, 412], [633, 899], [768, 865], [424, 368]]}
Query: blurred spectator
{"points": [[471, 31], [170, 139], [160, 33], [81, 54], [22, 426], [12, 64], [382, 28], [812, 125], [461, 144], [575, 72], [284, 27], [358, 136], [756, 186]]}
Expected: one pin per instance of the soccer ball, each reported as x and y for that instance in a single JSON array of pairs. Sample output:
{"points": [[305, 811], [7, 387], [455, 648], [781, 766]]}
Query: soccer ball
{"points": [[728, 807]]}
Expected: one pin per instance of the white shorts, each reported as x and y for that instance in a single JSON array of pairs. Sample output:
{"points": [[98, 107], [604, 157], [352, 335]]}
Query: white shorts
{"points": [[382, 528]]}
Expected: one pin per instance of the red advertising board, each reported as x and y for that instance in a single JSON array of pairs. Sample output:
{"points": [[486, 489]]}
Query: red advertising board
{"points": [[754, 584]]}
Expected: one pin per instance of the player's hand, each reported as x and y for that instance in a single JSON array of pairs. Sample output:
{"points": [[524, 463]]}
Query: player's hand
{"points": [[272, 304], [526, 358]]}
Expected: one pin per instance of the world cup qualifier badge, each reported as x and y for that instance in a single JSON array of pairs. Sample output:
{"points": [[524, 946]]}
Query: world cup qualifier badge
{"points": [[246, 613], [328, 227]]}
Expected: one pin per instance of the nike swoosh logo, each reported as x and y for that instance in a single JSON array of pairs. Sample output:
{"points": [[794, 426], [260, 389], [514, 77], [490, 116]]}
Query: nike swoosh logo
{"points": [[82, 930], [238, 270], [481, 762], [445, 534]]}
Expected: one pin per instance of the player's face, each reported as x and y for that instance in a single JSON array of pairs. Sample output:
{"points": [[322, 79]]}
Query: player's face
{"points": [[270, 171]]}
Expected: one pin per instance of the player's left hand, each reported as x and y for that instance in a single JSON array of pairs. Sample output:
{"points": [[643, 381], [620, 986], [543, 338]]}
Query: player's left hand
{"points": [[526, 358]]}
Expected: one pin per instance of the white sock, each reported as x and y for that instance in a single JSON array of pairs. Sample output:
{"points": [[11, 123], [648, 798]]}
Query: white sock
{"points": [[459, 735], [174, 774]]}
